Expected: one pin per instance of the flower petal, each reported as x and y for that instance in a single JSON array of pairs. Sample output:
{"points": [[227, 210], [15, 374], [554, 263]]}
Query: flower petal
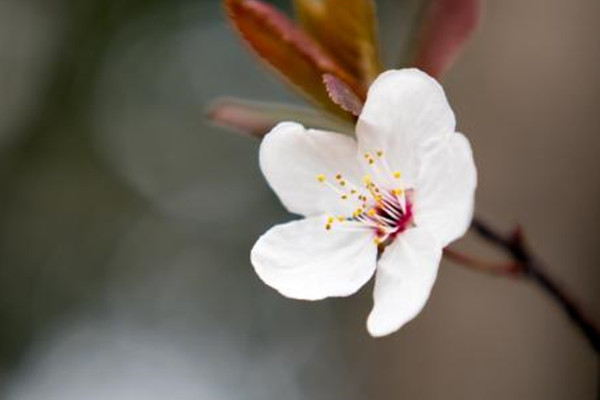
{"points": [[292, 157], [404, 109], [446, 188], [405, 275], [303, 260]]}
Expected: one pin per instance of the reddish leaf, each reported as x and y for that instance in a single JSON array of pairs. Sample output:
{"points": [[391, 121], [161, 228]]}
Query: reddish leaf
{"points": [[275, 38], [343, 95], [256, 119], [447, 25], [348, 30]]}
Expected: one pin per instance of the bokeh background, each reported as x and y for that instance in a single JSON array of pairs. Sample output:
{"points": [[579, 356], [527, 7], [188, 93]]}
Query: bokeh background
{"points": [[126, 220]]}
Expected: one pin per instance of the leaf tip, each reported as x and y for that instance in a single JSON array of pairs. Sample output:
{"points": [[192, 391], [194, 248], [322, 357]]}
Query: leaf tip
{"points": [[342, 94]]}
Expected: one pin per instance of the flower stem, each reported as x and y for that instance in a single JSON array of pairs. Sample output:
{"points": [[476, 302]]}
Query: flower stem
{"points": [[533, 268], [510, 268]]}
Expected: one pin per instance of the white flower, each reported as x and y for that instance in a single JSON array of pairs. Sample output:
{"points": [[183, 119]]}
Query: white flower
{"points": [[386, 203]]}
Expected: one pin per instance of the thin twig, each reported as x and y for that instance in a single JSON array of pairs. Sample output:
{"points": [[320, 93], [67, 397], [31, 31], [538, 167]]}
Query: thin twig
{"points": [[509, 268], [534, 269]]}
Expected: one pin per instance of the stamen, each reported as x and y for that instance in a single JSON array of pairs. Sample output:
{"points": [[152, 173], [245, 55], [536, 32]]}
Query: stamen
{"points": [[323, 179], [369, 222], [384, 172], [381, 200], [329, 222], [373, 189], [389, 208], [369, 158], [397, 192], [381, 220]]}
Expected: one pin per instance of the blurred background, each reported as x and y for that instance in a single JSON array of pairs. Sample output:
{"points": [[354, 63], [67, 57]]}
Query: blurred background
{"points": [[126, 220]]}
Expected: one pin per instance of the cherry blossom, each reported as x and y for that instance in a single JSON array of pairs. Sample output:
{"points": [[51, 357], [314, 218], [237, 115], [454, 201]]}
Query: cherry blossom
{"points": [[384, 203]]}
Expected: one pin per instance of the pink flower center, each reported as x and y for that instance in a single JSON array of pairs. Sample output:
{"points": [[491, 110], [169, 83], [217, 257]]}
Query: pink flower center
{"points": [[392, 219]]}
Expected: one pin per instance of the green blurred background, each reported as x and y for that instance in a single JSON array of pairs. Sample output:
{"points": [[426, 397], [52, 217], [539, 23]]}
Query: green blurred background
{"points": [[126, 220]]}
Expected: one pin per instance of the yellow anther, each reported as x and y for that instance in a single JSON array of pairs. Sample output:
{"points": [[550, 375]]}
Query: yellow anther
{"points": [[371, 212], [321, 178], [330, 220], [377, 241], [344, 197], [338, 176], [343, 182], [379, 153], [397, 192], [371, 161], [397, 174], [341, 219], [367, 155], [328, 226], [367, 179], [353, 191]]}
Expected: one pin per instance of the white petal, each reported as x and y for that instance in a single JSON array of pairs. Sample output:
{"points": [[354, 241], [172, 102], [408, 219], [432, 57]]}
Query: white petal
{"points": [[303, 260], [445, 192], [405, 275], [404, 109], [291, 158]]}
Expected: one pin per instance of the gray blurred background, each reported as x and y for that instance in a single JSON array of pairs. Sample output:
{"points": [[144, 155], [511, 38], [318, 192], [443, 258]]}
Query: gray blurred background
{"points": [[126, 220]]}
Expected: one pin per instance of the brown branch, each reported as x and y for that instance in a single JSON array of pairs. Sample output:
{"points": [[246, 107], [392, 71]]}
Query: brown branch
{"points": [[533, 268], [509, 268]]}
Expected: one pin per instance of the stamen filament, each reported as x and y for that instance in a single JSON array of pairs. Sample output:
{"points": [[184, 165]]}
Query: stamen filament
{"points": [[381, 209]]}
